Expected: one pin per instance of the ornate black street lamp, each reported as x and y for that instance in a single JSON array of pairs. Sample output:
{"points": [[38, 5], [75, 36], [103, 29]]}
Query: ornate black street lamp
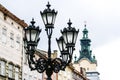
{"points": [[66, 44]]}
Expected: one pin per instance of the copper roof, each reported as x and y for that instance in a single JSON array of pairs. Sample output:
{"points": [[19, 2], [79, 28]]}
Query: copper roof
{"points": [[12, 16]]}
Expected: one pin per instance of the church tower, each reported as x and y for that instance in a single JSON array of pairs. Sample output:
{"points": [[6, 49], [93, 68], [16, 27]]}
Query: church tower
{"points": [[86, 60]]}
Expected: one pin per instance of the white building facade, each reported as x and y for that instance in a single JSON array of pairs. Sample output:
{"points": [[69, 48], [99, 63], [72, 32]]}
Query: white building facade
{"points": [[12, 55], [11, 40]]}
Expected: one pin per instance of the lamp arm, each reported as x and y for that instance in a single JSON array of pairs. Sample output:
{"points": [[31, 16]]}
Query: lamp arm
{"points": [[57, 64], [31, 63]]}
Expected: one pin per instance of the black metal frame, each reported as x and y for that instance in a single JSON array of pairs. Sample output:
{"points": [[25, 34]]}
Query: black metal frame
{"points": [[48, 65]]}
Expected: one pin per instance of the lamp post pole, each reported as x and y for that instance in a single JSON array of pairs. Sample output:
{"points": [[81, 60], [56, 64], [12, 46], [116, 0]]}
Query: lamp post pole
{"points": [[66, 44]]}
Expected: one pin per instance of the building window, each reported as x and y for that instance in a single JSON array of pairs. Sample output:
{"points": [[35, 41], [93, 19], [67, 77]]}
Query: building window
{"points": [[18, 27], [5, 16], [10, 71], [16, 73], [2, 68], [35, 78], [30, 77], [18, 42], [11, 23], [12, 39], [4, 35], [25, 76]]}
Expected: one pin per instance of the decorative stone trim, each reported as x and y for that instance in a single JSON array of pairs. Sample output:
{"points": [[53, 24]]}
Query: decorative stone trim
{"points": [[11, 63], [3, 59]]}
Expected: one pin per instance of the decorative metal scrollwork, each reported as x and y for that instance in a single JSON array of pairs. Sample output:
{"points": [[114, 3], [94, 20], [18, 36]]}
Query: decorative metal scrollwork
{"points": [[31, 62], [41, 65], [57, 63]]}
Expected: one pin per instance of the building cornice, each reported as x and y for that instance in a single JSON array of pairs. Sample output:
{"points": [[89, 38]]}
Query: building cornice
{"points": [[12, 16]]}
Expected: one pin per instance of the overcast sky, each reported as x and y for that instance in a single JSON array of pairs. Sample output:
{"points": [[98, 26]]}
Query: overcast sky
{"points": [[103, 23]]}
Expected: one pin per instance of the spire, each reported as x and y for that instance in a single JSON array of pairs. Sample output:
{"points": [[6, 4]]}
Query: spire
{"points": [[85, 51], [85, 31]]}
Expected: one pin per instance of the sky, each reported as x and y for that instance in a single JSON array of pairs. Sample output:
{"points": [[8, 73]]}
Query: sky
{"points": [[102, 19]]}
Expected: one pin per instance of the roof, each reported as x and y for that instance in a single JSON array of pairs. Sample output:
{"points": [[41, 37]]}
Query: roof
{"points": [[77, 72], [41, 53], [12, 16]]}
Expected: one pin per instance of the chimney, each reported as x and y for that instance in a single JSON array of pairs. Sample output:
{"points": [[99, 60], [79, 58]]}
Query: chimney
{"points": [[54, 55], [81, 70]]}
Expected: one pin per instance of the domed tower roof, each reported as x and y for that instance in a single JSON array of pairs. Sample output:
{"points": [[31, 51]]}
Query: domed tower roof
{"points": [[85, 51], [85, 32]]}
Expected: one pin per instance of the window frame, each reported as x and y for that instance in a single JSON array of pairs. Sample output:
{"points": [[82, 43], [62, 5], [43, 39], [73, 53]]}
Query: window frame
{"points": [[4, 35], [3, 68], [11, 70], [17, 70], [18, 39], [12, 39]]}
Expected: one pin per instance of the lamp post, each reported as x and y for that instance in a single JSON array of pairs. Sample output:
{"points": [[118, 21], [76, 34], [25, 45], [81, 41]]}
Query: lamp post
{"points": [[66, 44]]}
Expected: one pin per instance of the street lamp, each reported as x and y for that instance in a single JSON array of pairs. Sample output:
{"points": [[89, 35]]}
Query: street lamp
{"points": [[66, 44]]}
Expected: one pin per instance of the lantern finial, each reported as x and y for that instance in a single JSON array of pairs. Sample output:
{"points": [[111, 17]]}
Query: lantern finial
{"points": [[69, 23], [32, 22], [85, 23], [48, 5]]}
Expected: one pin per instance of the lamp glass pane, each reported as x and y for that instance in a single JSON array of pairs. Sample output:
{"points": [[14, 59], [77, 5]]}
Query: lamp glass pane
{"points": [[59, 45], [65, 57], [49, 18], [70, 51], [28, 35], [53, 19], [75, 37], [64, 37], [33, 35], [70, 37], [44, 18], [64, 46], [37, 36]]}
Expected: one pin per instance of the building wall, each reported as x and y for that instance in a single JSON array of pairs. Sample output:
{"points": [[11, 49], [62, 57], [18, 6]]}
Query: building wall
{"points": [[6, 44], [87, 65], [11, 40], [30, 75], [65, 75], [13, 64], [71, 73]]}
